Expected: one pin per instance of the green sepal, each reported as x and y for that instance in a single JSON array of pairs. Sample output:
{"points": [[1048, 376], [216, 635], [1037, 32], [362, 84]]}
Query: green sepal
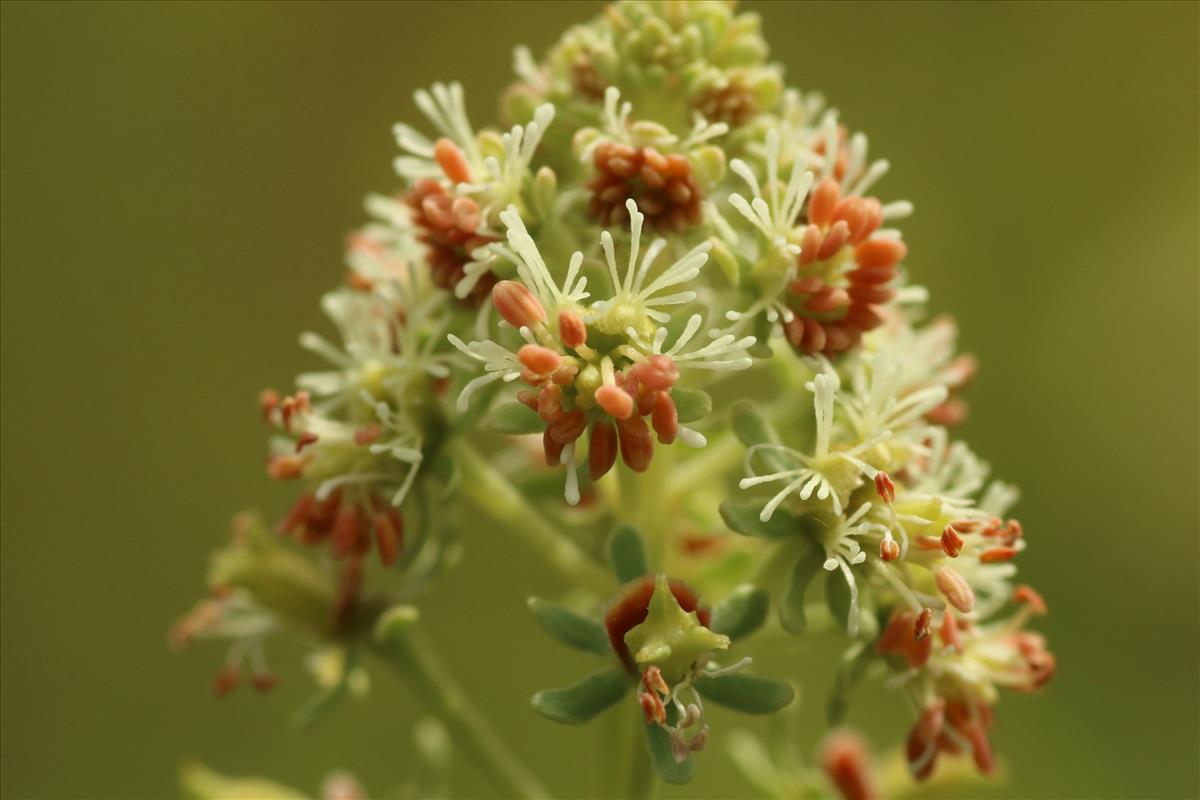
{"points": [[850, 670], [742, 612], [514, 419], [837, 597], [753, 428], [579, 702], [792, 616], [744, 519], [627, 553], [761, 329], [691, 404], [749, 694], [481, 401], [665, 766], [570, 628], [317, 707]]}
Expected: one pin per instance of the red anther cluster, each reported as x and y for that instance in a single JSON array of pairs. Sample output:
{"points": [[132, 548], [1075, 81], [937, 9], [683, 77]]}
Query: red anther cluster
{"points": [[631, 606], [661, 185], [1031, 597], [950, 727], [654, 690], [585, 78], [283, 411], [734, 104], [351, 527], [230, 677], [900, 638], [843, 275], [1040, 663], [955, 377], [845, 760], [643, 390], [448, 226]]}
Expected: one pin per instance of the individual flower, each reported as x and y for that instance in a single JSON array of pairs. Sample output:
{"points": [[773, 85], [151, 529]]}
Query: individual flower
{"points": [[664, 641], [600, 369], [460, 182]]}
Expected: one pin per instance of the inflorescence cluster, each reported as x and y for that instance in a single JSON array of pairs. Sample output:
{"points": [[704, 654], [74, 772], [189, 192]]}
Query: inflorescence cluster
{"points": [[671, 261]]}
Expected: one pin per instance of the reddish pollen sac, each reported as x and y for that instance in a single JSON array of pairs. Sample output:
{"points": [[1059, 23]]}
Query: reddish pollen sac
{"points": [[632, 605], [602, 449], [541, 361], [922, 745], [844, 759], [571, 329], [900, 638], [451, 159], [889, 549], [884, 487], [615, 401], [952, 543], [665, 418], [517, 304], [1028, 595], [285, 467], [637, 448], [955, 588]]}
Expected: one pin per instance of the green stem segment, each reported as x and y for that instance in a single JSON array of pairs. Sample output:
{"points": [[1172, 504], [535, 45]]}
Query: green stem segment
{"points": [[412, 656], [491, 493]]}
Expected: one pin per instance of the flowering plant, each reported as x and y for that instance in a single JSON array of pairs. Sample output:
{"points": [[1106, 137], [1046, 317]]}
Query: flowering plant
{"points": [[669, 258]]}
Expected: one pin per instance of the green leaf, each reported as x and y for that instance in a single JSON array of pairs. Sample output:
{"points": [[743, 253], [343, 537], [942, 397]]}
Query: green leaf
{"points": [[570, 628], [579, 702], [744, 519], [749, 694], [742, 612], [514, 419], [791, 600], [691, 404], [665, 766], [627, 553]]}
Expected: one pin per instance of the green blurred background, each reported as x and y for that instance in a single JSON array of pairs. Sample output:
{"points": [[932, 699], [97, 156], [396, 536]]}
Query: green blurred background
{"points": [[177, 180]]}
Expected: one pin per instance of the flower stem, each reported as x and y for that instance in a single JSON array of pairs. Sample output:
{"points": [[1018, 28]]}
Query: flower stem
{"points": [[412, 656], [491, 493]]}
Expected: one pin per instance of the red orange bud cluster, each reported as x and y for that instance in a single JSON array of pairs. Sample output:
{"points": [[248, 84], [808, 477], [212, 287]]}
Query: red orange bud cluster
{"points": [[949, 727], [832, 317], [352, 528]]}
